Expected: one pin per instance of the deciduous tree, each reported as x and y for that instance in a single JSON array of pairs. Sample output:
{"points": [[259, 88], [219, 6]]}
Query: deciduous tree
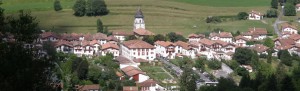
{"points": [[57, 6], [79, 8]]}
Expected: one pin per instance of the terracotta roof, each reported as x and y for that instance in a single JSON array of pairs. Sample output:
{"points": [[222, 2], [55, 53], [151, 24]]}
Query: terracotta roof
{"points": [[109, 45], [148, 83], [284, 47], [287, 25], [298, 5], [221, 34], [63, 42], [87, 87], [206, 42], [49, 34], [221, 42], [184, 45], [122, 33], [119, 74], [100, 36], [295, 36], [94, 42], [139, 60], [131, 71], [123, 60], [112, 38], [260, 48], [241, 37], [255, 12], [286, 42], [130, 88], [258, 31], [137, 44], [164, 43], [142, 32]]}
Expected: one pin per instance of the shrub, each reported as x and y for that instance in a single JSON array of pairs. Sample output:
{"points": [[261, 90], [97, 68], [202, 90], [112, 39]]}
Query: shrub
{"points": [[213, 19], [214, 64], [242, 16]]}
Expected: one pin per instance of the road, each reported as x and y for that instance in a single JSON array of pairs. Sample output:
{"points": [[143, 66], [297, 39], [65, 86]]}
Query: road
{"points": [[278, 21]]}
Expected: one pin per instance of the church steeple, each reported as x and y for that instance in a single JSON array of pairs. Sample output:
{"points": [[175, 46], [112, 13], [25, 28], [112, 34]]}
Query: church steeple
{"points": [[139, 20]]}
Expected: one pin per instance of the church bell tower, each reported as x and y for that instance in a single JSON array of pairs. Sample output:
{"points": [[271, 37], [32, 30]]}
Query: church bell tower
{"points": [[139, 20]]}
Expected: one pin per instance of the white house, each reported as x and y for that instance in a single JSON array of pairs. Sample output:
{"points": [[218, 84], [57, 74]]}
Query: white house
{"points": [[135, 73], [134, 49], [298, 7], [223, 36], [124, 62], [253, 15], [49, 36], [195, 37], [185, 49], [241, 41], [256, 33], [165, 49], [260, 49], [110, 48], [121, 35], [150, 85], [64, 46], [289, 28]]}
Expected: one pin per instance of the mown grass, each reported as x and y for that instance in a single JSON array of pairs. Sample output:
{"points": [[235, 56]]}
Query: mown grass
{"points": [[228, 3], [161, 16]]}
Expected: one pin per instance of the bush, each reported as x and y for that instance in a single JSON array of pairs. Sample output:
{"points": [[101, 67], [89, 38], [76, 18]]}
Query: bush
{"points": [[213, 19], [272, 13], [241, 71], [242, 16], [214, 64]]}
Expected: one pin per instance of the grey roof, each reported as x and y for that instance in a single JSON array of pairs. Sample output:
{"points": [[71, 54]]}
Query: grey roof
{"points": [[139, 14]]}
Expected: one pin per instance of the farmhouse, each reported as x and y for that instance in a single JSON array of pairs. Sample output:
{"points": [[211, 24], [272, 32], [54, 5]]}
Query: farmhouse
{"points": [[241, 41], [120, 35], [165, 49], [110, 48], [134, 49], [298, 7], [223, 36], [285, 27], [185, 49], [256, 33], [254, 15], [195, 37], [136, 74]]}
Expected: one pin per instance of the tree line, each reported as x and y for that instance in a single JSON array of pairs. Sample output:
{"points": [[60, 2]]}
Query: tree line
{"points": [[90, 8]]}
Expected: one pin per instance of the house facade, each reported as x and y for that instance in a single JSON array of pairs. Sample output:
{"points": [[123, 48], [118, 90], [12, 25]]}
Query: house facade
{"points": [[134, 49], [254, 15]]}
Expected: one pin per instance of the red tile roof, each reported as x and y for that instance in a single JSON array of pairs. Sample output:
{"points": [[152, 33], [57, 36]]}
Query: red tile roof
{"points": [[142, 32], [131, 71], [164, 43], [63, 42], [184, 45], [287, 25], [110, 45], [123, 60], [122, 33], [196, 36], [255, 12], [221, 35], [137, 44], [206, 42], [295, 36], [241, 37], [258, 31], [49, 34], [260, 48], [147, 83]]}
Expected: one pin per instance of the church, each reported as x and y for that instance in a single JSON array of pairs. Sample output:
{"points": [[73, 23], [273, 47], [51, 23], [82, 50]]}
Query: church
{"points": [[139, 27]]}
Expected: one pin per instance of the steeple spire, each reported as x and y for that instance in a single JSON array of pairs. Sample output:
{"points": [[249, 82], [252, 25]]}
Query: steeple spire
{"points": [[139, 13]]}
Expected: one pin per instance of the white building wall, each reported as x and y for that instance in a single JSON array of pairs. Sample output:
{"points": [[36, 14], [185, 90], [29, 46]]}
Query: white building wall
{"points": [[143, 78], [139, 23]]}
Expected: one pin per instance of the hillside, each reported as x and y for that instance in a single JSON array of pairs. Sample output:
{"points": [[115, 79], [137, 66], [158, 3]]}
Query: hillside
{"points": [[161, 16]]}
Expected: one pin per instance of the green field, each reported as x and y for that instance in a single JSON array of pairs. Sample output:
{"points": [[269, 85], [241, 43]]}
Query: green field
{"points": [[161, 16]]}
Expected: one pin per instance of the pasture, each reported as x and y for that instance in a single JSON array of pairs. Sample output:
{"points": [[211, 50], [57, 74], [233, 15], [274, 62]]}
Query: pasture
{"points": [[161, 16]]}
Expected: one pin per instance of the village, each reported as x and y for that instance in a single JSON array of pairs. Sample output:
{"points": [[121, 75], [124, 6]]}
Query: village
{"points": [[129, 54]]}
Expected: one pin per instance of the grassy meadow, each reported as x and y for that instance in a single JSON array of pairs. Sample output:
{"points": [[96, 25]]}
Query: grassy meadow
{"points": [[161, 16]]}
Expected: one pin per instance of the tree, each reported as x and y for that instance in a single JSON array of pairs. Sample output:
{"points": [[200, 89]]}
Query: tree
{"points": [[80, 67], [128, 83], [57, 6], [79, 8], [285, 58], [272, 13], [241, 71], [269, 42], [214, 64], [99, 26], [245, 81], [20, 67], [175, 37], [293, 2], [200, 64], [187, 80], [286, 84], [159, 37], [274, 4], [242, 55], [130, 37], [94, 74], [289, 9], [226, 84], [89, 11], [242, 16], [296, 77], [99, 8], [149, 39]]}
